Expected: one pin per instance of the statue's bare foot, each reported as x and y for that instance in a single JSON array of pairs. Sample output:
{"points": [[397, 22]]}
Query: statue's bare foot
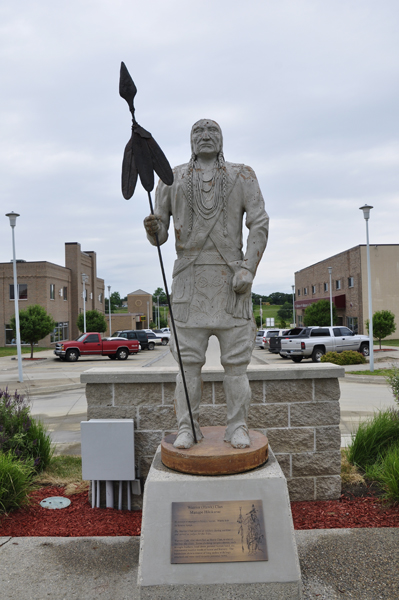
{"points": [[240, 439], [185, 439]]}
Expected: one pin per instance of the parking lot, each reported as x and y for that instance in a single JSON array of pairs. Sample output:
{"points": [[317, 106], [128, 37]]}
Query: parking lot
{"points": [[58, 398]]}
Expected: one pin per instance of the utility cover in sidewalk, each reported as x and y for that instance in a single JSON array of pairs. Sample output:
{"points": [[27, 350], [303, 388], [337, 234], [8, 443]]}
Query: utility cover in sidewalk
{"points": [[55, 502]]}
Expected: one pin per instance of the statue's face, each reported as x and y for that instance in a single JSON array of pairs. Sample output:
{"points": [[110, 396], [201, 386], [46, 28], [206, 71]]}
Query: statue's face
{"points": [[206, 138]]}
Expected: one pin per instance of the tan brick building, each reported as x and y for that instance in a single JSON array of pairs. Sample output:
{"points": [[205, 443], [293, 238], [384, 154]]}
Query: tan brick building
{"points": [[139, 315], [59, 290], [349, 284]]}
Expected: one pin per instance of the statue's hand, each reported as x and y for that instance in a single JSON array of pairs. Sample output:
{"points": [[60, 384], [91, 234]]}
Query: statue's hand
{"points": [[152, 224], [242, 281]]}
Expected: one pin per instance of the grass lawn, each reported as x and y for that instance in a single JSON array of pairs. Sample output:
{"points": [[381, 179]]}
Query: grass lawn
{"points": [[387, 343], [377, 372], [65, 471], [268, 312], [12, 350]]}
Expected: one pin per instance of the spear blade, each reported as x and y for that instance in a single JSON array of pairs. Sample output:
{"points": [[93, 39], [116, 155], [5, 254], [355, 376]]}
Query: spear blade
{"points": [[127, 89]]}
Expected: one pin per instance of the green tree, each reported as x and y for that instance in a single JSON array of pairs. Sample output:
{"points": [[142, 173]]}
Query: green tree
{"points": [[162, 296], [383, 324], [279, 298], [318, 313], [34, 324], [95, 321], [285, 312], [116, 302], [257, 320]]}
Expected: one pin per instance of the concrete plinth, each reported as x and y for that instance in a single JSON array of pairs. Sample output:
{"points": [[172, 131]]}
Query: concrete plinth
{"points": [[278, 578]]}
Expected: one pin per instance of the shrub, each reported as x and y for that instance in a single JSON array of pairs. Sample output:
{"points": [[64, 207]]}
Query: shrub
{"points": [[95, 321], [15, 479], [21, 434], [318, 313], [386, 472], [393, 381], [347, 357], [374, 438]]}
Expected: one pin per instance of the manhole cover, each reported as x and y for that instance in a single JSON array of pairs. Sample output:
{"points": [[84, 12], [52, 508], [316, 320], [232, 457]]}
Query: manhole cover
{"points": [[55, 502]]}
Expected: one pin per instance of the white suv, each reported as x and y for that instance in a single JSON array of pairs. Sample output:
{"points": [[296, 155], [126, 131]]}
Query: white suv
{"points": [[263, 335]]}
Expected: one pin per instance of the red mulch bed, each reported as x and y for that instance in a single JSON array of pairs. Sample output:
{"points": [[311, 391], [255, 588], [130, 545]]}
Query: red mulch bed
{"points": [[77, 520], [80, 520]]}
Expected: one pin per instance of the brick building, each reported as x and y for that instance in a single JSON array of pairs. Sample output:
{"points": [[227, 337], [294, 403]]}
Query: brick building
{"points": [[349, 284], [59, 290], [139, 315]]}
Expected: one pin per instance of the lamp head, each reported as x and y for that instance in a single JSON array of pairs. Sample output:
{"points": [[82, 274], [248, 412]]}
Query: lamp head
{"points": [[330, 270], [109, 288], [366, 211], [13, 218]]}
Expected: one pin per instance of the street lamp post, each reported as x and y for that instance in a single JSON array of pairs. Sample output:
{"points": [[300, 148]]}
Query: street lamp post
{"points": [[13, 220], [293, 304], [159, 320], [366, 214], [260, 312], [109, 309], [85, 279], [331, 310]]}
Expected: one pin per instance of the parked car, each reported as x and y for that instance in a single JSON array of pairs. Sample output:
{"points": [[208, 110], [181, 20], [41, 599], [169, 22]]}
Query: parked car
{"points": [[92, 344], [263, 335], [313, 342], [164, 335], [159, 340], [273, 343], [136, 334]]}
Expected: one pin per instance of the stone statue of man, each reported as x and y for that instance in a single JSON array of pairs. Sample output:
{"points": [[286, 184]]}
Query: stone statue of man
{"points": [[212, 277]]}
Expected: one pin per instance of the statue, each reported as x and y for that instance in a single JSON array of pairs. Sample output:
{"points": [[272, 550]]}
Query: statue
{"points": [[212, 277]]}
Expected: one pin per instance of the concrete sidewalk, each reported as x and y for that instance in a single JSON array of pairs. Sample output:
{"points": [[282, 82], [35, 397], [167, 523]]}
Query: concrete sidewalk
{"points": [[337, 563]]}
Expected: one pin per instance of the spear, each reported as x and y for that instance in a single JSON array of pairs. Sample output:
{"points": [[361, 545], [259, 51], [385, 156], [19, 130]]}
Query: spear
{"points": [[141, 158]]}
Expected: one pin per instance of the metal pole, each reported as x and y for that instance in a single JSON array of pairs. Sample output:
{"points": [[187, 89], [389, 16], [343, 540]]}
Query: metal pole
{"points": [[293, 304], [331, 310], [172, 322], [16, 297], [371, 343], [159, 321], [109, 309], [84, 280], [260, 312]]}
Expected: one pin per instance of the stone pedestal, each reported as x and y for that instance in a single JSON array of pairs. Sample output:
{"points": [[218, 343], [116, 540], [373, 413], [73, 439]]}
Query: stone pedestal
{"points": [[278, 578]]}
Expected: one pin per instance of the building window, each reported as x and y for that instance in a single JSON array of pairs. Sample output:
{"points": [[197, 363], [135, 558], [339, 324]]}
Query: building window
{"points": [[299, 292], [351, 282], [338, 284], [61, 332], [52, 291], [352, 323], [100, 298], [326, 287], [313, 289], [10, 336], [65, 293], [300, 320], [23, 291], [305, 291]]}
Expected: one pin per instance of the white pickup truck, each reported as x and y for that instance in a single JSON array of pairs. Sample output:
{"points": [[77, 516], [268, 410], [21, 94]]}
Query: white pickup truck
{"points": [[313, 342]]}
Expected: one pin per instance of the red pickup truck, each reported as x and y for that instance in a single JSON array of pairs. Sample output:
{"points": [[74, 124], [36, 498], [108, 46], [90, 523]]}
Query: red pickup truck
{"points": [[92, 344]]}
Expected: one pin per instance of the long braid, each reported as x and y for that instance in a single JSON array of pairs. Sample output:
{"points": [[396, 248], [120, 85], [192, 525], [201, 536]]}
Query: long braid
{"points": [[190, 189], [222, 169]]}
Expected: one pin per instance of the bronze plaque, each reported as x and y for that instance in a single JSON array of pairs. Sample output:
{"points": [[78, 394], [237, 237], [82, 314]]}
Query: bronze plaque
{"points": [[226, 531]]}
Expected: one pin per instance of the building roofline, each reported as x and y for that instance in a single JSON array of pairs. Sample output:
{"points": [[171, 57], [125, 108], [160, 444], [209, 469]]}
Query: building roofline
{"points": [[339, 253]]}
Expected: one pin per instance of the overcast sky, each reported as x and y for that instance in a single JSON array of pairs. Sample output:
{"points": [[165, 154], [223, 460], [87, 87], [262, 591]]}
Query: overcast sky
{"points": [[306, 93]]}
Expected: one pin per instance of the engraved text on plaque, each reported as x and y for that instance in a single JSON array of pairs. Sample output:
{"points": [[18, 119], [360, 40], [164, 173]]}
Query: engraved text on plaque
{"points": [[226, 531]]}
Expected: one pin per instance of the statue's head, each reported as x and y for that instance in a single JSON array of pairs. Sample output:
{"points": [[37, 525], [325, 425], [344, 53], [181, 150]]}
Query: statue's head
{"points": [[206, 138]]}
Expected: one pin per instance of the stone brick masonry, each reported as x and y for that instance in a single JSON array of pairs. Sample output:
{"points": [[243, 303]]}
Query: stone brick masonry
{"points": [[296, 408]]}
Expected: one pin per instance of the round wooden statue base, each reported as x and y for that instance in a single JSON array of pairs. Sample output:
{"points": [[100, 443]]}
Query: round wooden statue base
{"points": [[213, 456]]}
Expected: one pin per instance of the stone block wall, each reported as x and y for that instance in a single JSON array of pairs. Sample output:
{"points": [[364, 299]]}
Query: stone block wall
{"points": [[297, 408]]}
